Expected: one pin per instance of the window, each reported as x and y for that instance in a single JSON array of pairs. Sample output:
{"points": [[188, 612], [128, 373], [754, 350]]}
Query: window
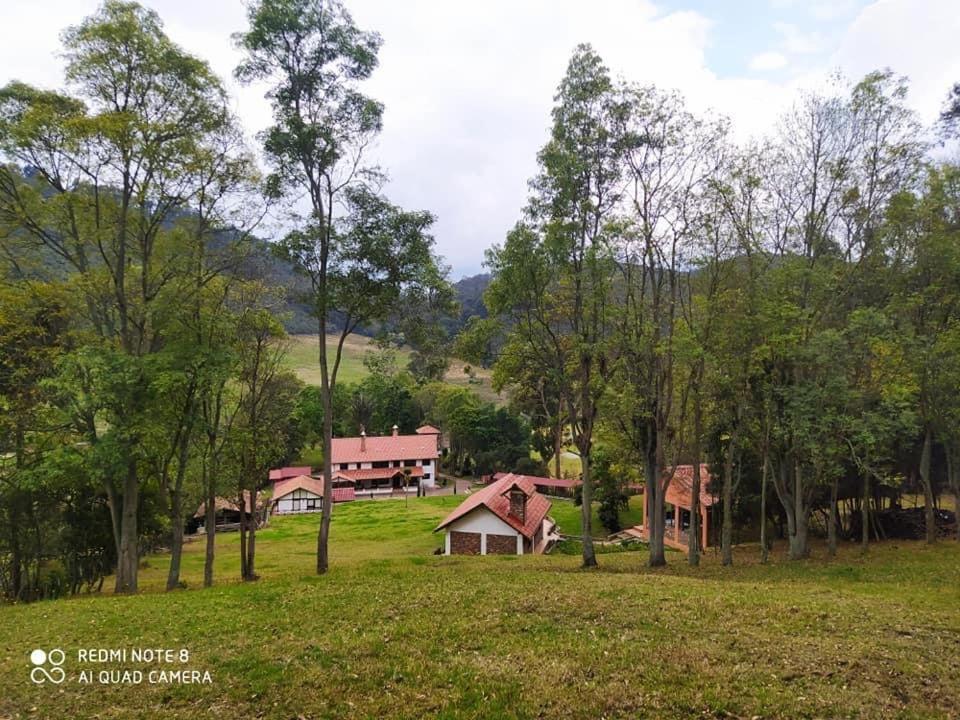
{"points": [[344, 466], [381, 464], [409, 463], [312, 504], [427, 461], [426, 476], [296, 504]]}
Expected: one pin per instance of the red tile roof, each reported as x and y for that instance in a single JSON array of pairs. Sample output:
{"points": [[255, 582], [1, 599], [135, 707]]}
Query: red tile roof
{"points": [[301, 482], [345, 494], [377, 473], [494, 498], [305, 482], [539, 481], [428, 430], [680, 490], [289, 472], [387, 447]]}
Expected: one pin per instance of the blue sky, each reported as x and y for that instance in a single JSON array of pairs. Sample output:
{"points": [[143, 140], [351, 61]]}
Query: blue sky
{"points": [[468, 86], [798, 32]]}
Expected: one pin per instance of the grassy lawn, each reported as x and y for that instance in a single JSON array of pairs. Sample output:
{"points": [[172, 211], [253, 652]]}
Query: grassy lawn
{"points": [[302, 360], [568, 516], [396, 632]]}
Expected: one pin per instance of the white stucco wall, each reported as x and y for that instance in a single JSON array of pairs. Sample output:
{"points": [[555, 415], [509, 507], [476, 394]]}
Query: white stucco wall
{"points": [[484, 522], [284, 505], [428, 467]]}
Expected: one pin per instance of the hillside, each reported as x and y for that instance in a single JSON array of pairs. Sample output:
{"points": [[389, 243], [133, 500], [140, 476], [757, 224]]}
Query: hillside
{"points": [[396, 632], [302, 359]]}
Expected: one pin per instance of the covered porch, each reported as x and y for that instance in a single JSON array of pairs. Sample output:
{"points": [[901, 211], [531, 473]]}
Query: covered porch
{"points": [[679, 509]]}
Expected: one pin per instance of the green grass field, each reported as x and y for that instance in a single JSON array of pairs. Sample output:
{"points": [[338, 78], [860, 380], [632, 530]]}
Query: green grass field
{"points": [[302, 360], [396, 632]]}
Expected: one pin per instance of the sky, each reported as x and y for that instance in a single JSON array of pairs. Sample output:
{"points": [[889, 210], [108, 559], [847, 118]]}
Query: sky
{"points": [[468, 86]]}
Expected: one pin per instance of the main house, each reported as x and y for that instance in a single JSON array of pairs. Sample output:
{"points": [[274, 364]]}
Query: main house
{"points": [[370, 465], [387, 464], [507, 517]]}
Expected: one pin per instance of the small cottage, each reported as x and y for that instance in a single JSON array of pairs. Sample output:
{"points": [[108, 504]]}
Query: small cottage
{"points": [[507, 517], [304, 494]]}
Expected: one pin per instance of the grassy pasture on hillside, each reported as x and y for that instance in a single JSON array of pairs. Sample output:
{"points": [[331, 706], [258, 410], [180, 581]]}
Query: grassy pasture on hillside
{"points": [[302, 360], [396, 632]]}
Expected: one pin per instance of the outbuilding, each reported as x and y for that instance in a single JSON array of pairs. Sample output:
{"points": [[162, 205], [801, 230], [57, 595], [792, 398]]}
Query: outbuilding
{"points": [[507, 517]]}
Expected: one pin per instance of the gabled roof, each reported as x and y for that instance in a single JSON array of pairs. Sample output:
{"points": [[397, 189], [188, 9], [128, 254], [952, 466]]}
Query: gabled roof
{"points": [[289, 472], [680, 489], [428, 430], [539, 481], [305, 482], [301, 482], [222, 503], [376, 473], [494, 497], [387, 447]]}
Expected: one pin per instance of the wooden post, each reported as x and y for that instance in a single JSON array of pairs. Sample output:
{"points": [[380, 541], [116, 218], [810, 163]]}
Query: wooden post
{"points": [[676, 522]]}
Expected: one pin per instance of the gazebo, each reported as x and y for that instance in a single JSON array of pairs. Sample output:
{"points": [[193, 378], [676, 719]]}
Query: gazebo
{"points": [[680, 496]]}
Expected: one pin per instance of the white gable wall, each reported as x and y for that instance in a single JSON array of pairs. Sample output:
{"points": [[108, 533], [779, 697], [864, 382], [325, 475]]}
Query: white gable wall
{"points": [[482, 520], [299, 501]]}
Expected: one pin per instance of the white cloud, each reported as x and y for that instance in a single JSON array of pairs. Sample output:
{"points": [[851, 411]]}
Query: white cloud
{"points": [[767, 61], [795, 41], [468, 87], [921, 44]]}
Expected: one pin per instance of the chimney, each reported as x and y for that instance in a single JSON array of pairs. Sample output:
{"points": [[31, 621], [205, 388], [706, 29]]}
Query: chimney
{"points": [[396, 431], [363, 441], [518, 504]]}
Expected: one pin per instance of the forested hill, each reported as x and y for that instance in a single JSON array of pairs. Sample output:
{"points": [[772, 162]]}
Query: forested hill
{"points": [[261, 263], [470, 297]]}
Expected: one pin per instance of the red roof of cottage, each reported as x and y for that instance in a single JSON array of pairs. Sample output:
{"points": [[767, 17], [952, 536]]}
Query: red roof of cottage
{"points": [[301, 482], [494, 497], [680, 490], [428, 430], [387, 447], [289, 472], [305, 482]]}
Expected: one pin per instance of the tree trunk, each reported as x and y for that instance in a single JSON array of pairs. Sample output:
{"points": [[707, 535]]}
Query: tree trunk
{"points": [[326, 395], [655, 512], [586, 511], [323, 537], [764, 550], [558, 446], [176, 551], [210, 522], [128, 560], [927, 482], [799, 548], [865, 514], [252, 539], [243, 536], [16, 559], [832, 519], [693, 540], [726, 531]]}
